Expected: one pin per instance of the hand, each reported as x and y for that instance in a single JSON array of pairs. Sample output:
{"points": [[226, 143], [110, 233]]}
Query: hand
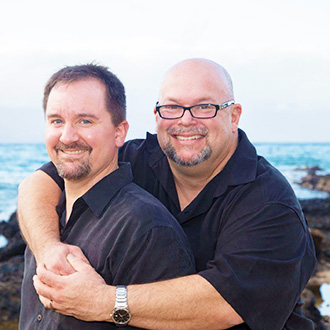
{"points": [[54, 257], [83, 294]]}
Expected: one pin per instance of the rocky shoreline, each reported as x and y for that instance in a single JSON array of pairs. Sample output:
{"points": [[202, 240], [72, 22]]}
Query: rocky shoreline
{"points": [[11, 273], [317, 212]]}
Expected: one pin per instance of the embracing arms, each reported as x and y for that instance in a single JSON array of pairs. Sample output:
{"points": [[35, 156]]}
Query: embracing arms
{"points": [[188, 302]]}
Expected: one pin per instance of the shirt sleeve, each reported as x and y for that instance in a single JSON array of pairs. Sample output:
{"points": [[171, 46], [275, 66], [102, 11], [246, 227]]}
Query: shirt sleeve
{"points": [[262, 262], [50, 169]]}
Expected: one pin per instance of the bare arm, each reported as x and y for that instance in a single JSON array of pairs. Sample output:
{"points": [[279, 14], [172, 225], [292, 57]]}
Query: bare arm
{"points": [[184, 303], [189, 302], [39, 223]]}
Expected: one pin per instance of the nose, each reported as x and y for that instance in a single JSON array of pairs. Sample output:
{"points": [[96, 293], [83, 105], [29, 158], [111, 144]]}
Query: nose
{"points": [[187, 118], [69, 134]]}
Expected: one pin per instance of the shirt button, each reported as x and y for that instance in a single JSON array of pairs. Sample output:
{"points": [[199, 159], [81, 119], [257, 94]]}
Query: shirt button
{"points": [[39, 318]]}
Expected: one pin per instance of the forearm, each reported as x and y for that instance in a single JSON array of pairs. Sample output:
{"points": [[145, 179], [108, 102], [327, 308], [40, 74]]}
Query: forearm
{"points": [[38, 220], [188, 303], [185, 303]]}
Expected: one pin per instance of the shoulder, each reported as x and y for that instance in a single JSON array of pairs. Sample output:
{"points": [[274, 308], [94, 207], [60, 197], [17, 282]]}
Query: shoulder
{"points": [[135, 147], [273, 185], [148, 212], [267, 196]]}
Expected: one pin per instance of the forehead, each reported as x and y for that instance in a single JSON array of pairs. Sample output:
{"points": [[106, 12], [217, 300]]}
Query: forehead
{"points": [[193, 83], [88, 94]]}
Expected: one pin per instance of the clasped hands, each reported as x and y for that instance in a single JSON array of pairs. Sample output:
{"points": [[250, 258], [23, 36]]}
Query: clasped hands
{"points": [[67, 283]]}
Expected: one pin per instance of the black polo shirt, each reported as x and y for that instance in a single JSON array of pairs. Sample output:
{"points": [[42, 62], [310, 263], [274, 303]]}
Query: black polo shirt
{"points": [[246, 229], [127, 235]]}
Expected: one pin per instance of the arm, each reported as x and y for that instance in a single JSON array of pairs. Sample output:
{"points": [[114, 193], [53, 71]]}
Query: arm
{"points": [[188, 302], [39, 224]]}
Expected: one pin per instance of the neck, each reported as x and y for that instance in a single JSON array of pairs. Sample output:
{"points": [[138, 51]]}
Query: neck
{"points": [[190, 181]]}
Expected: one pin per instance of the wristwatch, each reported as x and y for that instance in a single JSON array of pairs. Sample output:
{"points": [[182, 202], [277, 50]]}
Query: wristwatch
{"points": [[121, 314]]}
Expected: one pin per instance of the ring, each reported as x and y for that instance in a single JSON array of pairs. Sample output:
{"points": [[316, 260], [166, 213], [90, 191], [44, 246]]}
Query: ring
{"points": [[51, 305]]}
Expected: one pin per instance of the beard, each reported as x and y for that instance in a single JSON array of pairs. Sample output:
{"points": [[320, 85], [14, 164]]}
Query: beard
{"points": [[172, 154], [72, 169], [73, 172]]}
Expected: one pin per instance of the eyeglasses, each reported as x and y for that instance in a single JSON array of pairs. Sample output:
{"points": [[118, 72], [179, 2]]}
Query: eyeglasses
{"points": [[199, 111]]}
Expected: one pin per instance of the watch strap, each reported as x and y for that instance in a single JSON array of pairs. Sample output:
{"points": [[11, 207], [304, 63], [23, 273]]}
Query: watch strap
{"points": [[121, 297]]}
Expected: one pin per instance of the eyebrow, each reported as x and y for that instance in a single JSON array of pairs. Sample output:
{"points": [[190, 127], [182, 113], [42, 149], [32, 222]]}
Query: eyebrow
{"points": [[200, 101], [79, 115]]}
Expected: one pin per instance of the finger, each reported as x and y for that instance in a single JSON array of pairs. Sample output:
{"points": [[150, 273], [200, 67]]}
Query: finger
{"points": [[80, 265], [42, 290], [66, 269], [45, 301], [45, 290], [48, 277], [76, 251], [51, 306]]}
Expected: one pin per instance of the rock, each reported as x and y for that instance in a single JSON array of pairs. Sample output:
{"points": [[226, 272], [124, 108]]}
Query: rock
{"points": [[309, 170], [11, 273], [316, 182], [16, 244], [318, 237], [311, 311], [317, 212]]}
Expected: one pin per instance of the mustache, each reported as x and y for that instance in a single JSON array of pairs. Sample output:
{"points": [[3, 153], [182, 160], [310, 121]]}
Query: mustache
{"points": [[191, 130], [72, 146]]}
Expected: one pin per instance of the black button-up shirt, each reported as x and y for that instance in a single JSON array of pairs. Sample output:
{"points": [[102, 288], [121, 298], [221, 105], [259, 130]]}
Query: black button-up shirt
{"points": [[246, 229], [127, 235]]}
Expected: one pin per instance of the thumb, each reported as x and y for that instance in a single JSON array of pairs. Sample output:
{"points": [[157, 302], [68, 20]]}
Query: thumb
{"points": [[78, 264]]}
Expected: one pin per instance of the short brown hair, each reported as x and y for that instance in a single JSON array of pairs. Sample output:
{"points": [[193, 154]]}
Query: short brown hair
{"points": [[115, 95]]}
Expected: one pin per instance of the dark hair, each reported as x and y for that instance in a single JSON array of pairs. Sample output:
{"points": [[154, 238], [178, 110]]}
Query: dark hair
{"points": [[115, 95]]}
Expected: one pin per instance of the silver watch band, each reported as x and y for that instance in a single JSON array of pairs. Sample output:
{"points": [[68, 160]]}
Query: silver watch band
{"points": [[121, 296]]}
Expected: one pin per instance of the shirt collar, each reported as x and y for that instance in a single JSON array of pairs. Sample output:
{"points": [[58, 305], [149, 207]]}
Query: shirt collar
{"points": [[242, 166], [103, 191], [240, 169]]}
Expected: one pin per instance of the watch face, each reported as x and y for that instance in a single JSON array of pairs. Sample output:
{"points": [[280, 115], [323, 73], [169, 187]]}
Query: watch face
{"points": [[121, 316]]}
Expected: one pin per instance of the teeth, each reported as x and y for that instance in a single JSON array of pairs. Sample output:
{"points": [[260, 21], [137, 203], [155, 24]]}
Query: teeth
{"points": [[187, 138], [73, 152]]}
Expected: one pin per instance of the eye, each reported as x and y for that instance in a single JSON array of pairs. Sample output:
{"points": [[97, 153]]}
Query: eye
{"points": [[171, 107], [57, 121], [85, 122]]}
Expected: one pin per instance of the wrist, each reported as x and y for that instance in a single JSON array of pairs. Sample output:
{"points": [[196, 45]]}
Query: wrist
{"points": [[42, 251], [121, 314], [108, 302]]}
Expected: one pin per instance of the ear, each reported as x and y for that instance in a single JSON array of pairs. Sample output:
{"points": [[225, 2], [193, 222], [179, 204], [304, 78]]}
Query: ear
{"points": [[156, 119], [235, 116], [120, 133]]}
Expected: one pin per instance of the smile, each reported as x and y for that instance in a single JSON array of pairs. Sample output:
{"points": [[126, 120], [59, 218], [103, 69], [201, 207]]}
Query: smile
{"points": [[73, 152], [188, 138]]}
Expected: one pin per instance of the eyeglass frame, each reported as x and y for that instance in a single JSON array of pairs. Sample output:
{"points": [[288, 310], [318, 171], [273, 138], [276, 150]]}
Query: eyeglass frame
{"points": [[217, 108]]}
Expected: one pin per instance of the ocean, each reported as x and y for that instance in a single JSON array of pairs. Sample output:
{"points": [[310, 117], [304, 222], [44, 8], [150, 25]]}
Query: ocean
{"points": [[19, 160]]}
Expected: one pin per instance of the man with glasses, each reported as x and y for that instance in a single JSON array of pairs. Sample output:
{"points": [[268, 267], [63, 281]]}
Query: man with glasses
{"points": [[252, 248]]}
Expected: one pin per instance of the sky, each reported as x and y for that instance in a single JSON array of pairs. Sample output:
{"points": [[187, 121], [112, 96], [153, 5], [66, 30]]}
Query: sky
{"points": [[277, 53]]}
